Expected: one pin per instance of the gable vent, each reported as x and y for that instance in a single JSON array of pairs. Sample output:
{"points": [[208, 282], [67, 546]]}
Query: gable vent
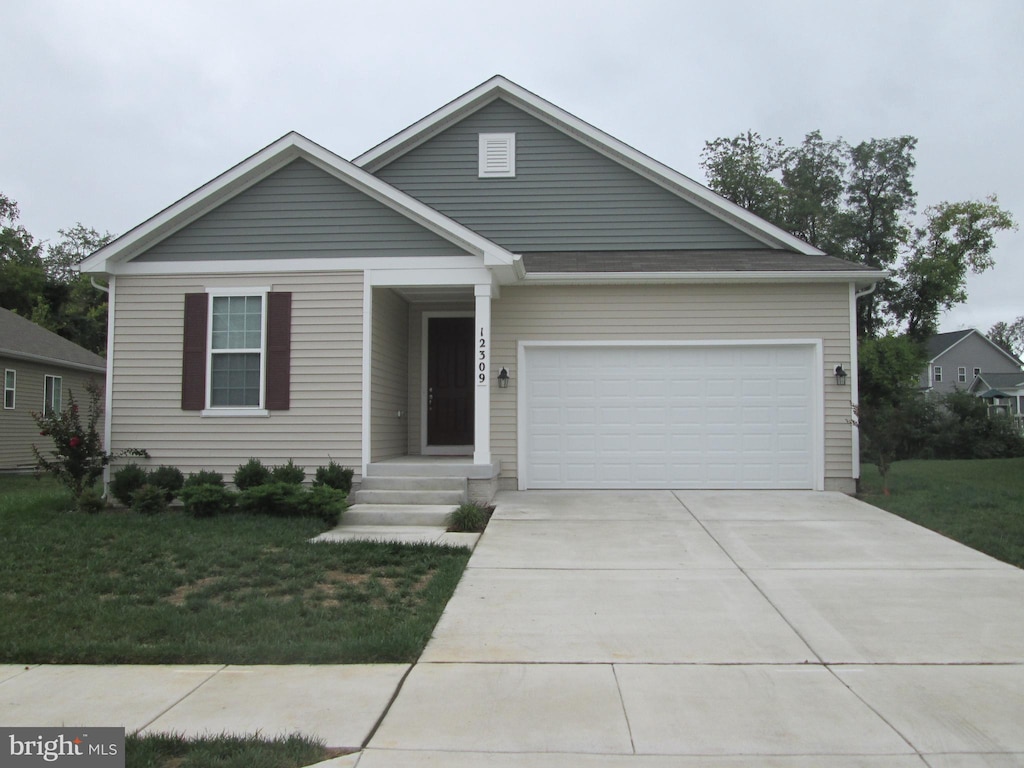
{"points": [[497, 155]]}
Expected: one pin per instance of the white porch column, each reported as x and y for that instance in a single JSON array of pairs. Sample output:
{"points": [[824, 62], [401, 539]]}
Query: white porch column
{"points": [[482, 375]]}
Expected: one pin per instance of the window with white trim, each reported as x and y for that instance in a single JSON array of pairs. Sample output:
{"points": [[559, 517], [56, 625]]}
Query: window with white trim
{"points": [[961, 374], [52, 394], [236, 351], [497, 155], [937, 374], [10, 388]]}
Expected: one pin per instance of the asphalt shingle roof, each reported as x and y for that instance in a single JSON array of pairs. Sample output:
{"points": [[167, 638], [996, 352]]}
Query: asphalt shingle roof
{"points": [[940, 342], [686, 261], [24, 339]]}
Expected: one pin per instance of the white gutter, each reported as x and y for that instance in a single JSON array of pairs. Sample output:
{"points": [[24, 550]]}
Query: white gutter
{"points": [[778, 276]]}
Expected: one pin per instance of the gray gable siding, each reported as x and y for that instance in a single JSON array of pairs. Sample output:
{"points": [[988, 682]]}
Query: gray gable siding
{"points": [[972, 352], [564, 197], [299, 211]]}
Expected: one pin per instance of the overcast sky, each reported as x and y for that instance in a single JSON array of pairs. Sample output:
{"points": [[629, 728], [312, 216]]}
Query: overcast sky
{"points": [[114, 110]]}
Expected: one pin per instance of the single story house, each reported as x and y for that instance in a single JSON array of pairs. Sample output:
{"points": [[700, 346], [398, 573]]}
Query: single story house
{"points": [[40, 369], [957, 358], [500, 287]]}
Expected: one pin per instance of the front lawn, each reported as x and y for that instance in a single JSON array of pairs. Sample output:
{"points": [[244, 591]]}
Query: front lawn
{"points": [[979, 503], [119, 587]]}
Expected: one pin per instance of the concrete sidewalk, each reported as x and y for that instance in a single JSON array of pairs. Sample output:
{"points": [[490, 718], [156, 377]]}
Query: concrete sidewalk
{"points": [[648, 629], [715, 629]]}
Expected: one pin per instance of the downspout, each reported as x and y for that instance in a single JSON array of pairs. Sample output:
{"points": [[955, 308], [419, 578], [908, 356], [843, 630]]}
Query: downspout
{"points": [[866, 292], [855, 366], [98, 287]]}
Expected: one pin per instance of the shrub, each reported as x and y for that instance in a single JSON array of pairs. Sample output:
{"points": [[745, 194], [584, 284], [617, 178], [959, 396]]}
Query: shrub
{"points": [[207, 499], [126, 481], [468, 518], [251, 474], [275, 499], [77, 459], [288, 473], [149, 500], [325, 503], [335, 476], [204, 477], [168, 478], [91, 501]]}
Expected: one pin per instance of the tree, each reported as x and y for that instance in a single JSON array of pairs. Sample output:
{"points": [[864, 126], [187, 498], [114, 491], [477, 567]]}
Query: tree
{"points": [[880, 199], [956, 237], [744, 170], [77, 310], [1009, 336], [77, 242], [857, 202], [22, 277]]}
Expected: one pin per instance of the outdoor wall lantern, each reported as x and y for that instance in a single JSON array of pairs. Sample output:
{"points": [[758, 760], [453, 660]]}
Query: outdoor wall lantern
{"points": [[840, 375], [503, 378]]}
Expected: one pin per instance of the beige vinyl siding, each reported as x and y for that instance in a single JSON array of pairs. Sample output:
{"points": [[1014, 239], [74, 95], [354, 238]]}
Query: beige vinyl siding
{"points": [[324, 421], [675, 313], [18, 430], [390, 375]]}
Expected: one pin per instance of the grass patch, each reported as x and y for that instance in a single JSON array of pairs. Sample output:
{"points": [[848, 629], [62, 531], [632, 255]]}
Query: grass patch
{"points": [[979, 503], [118, 587], [174, 751]]}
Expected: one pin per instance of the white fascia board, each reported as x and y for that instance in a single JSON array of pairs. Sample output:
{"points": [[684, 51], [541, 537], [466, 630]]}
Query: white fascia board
{"points": [[260, 165], [696, 277], [596, 139]]}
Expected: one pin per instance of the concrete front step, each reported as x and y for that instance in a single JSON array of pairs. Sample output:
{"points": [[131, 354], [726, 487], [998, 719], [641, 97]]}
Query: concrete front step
{"points": [[436, 467], [417, 497], [388, 483], [397, 514]]}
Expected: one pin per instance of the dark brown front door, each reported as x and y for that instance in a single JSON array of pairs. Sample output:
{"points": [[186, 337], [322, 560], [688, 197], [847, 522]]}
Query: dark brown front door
{"points": [[450, 381]]}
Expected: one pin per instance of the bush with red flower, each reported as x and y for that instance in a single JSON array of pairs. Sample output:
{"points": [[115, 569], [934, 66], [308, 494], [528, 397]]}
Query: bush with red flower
{"points": [[77, 458]]}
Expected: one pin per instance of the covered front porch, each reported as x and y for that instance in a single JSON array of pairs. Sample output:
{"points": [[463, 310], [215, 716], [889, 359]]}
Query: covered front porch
{"points": [[427, 382]]}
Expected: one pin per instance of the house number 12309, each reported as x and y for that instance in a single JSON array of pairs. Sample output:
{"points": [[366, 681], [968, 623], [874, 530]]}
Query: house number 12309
{"points": [[481, 365]]}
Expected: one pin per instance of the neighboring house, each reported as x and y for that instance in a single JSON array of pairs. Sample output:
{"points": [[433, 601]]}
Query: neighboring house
{"points": [[957, 358], [1004, 393], [501, 287], [40, 369]]}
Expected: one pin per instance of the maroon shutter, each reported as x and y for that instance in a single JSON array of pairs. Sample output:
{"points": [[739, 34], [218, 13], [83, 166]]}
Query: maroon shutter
{"points": [[279, 351], [193, 358]]}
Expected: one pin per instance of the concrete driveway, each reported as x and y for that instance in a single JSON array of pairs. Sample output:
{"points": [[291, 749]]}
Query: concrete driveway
{"points": [[663, 628]]}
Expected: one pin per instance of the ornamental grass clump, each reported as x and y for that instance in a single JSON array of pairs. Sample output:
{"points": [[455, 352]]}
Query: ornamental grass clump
{"points": [[77, 458]]}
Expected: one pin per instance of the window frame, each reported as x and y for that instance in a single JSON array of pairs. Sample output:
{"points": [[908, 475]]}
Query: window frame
{"points": [[241, 410], [55, 393], [961, 374], [937, 374], [12, 389]]}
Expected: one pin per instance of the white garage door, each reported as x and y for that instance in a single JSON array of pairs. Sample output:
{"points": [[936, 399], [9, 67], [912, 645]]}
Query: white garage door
{"points": [[731, 416]]}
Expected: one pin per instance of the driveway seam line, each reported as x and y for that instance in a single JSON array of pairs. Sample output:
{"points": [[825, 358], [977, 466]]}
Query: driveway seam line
{"points": [[878, 714], [760, 591], [622, 703]]}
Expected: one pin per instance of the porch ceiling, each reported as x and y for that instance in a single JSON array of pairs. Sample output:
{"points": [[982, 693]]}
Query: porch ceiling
{"points": [[430, 294]]}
